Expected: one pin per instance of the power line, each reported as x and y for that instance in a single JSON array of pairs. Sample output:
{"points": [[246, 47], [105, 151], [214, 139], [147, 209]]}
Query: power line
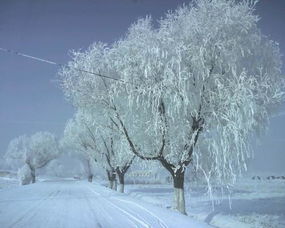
{"points": [[57, 64], [32, 122]]}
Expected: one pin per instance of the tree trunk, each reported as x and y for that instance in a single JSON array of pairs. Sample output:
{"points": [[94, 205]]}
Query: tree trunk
{"points": [[111, 183], [33, 172], [179, 199], [112, 179], [90, 177], [115, 184], [121, 176], [89, 170]]}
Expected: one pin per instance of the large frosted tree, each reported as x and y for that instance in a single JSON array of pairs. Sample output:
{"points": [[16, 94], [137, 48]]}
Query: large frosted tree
{"points": [[192, 91]]}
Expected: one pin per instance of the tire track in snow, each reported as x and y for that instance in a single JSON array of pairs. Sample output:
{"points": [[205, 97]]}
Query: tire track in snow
{"points": [[129, 220], [33, 209], [161, 223], [98, 224], [94, 213], [130, 215]]}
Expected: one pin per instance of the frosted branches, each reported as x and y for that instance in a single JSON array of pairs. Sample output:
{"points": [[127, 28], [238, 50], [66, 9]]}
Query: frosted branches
{"points": [[198, 87]]}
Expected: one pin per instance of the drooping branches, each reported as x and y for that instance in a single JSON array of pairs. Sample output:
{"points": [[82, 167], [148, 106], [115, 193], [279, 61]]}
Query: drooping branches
{"points": [[193, 90]]}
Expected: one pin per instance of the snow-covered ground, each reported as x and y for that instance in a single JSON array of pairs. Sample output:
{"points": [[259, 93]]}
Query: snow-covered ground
{"points": [[7, 182], [254, 203], [78, 204]]}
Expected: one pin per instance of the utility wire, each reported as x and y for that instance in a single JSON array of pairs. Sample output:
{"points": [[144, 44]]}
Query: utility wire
{"points": [[57, 64], [32, 122]]}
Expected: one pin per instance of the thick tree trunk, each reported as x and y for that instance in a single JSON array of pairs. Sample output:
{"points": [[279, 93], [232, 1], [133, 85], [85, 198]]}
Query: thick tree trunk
{"points": [[90, 177], [115, 184], [122, 181], [179, 199], [112, 179], [33, 172], [121, 174], [111, 183], [178, 184], [89, 170]]}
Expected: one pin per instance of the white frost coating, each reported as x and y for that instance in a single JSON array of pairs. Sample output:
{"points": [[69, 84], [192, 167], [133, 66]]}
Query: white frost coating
{"points": [[179, 200], [76, 141], [35, 151], [197, 87], [24, 175], [93, 138], [121, 188]]}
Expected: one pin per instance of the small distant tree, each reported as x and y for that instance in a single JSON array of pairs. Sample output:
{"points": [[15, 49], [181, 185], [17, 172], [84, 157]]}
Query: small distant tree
{"points": [[35, 151], [77, 142]]}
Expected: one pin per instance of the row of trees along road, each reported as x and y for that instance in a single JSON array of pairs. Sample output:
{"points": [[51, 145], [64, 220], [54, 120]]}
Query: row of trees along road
{"points": [[99, 143], [190, 91]]}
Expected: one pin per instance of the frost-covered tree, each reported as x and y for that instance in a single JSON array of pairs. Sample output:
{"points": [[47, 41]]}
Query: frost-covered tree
{"points": [[16, 151], [105, 147], [118, 157], [35, 151], [76, 139], [92, 95], [206, 76], [191, 91], [81, 136]]}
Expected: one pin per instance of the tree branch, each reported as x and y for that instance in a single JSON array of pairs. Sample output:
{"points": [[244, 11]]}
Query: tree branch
{"points": [[132, 146]]}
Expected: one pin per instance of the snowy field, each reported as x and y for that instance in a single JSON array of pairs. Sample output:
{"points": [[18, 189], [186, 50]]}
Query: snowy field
{"points": [[8, 180], [81, 204], [254, 204]]}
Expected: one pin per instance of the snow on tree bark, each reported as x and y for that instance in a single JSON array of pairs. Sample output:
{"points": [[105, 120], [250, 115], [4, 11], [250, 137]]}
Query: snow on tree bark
{"points": [[24, 175]]}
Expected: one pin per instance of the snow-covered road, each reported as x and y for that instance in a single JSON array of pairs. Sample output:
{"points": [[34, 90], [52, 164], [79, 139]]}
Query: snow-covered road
{"points": [[80, 204]]}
